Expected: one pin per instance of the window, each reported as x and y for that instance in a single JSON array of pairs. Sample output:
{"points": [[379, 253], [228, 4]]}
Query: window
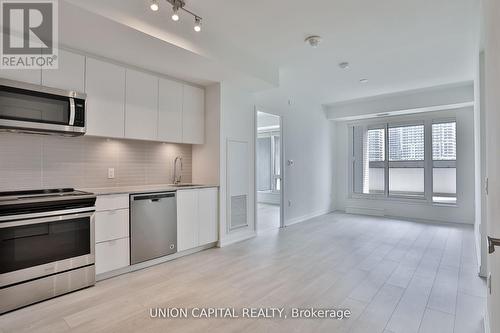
{"points": [[268, 159], [391, 160], [444, 162], [369, 160], [406, 161], [376, 157]]}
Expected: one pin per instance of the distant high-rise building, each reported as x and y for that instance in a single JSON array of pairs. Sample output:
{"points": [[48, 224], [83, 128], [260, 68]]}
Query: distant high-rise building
{"points": [[444, 141], [406, 143], [376, 147]]}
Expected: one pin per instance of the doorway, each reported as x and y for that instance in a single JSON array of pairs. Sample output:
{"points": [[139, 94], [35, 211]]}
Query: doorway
{"points": [[268, 172]]}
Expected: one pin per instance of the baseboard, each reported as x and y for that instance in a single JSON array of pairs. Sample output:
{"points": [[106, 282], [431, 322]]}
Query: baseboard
{"points": [[365, 211], [304, 218], [236, 239], [376, 213]]}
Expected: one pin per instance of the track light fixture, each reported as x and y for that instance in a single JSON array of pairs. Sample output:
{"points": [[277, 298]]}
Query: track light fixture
{"points": [[176, 5]]}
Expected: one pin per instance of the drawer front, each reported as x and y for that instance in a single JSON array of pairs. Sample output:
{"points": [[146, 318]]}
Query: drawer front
{"points": [[111, 202], [111, 224], [112, 255]]}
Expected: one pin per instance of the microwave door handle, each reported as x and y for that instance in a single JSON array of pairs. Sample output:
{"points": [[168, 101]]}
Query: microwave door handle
{"points": [[71, 111]]}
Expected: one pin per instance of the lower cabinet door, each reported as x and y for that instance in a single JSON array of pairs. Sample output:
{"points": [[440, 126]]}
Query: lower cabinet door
{"points": [[112, 255], [208, 215], [187, 219]]}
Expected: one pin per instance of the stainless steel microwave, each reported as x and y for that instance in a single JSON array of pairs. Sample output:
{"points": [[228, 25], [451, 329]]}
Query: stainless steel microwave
{"points": [[32, 108]]}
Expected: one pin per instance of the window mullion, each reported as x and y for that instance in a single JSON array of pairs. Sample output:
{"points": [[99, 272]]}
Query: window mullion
{"points": [[428, 181], [386, 161]]}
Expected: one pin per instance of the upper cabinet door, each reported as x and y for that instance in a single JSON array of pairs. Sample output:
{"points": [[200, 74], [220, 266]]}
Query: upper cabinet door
{"points": [[141, 107], [24, 75], [193, 115], [105, 88], [170, 111], [69, 76]]}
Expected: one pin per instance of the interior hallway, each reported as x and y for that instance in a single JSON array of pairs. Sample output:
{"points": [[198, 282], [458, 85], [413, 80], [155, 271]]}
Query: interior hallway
{"points": [[268, 217], [395, 276]]}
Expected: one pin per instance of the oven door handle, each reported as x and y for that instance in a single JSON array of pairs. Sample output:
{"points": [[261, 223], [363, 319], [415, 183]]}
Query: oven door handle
{"points": [[50, 219]]}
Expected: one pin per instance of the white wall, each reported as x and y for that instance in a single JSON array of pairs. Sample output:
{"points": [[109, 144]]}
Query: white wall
{"points": [[463, 213], [206, 157], [307, 141]]}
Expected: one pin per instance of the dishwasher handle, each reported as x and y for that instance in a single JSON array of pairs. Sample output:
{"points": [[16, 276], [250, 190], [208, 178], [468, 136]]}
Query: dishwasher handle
{"points": [[154, 197]]}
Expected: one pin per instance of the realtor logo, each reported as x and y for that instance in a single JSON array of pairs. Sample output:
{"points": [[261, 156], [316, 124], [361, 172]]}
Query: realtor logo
{"points": [[29, 34]]}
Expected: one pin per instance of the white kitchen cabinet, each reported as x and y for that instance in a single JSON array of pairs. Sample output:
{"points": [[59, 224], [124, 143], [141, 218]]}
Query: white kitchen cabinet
{"points": [[170, 111], [70, 74], [24, 75], [197, 217], [112, 202], [105, 88], [112, 248], [208, 199], [141, 106], [111, 225], [112, 255], [187, 219], [193, 115]]}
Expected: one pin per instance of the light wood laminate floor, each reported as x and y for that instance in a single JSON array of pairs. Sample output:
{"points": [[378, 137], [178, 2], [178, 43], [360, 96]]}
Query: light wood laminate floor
{"points": [[395, 276]]}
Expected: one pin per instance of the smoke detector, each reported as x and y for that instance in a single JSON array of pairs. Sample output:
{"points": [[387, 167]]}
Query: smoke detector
{"points": [[313, 41]]}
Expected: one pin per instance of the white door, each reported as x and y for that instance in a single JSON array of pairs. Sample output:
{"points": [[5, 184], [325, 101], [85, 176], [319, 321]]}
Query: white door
{"points": [[141, 107], [492, 112]]}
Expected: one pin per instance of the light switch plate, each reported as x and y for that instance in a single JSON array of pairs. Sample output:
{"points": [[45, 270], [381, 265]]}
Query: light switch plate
{"points": [[111, 173]]}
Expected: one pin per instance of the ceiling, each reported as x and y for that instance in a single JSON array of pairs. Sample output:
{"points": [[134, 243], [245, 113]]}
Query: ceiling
{"points": [[396, 44]]}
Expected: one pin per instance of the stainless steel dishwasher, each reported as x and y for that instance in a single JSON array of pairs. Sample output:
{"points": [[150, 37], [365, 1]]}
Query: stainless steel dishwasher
{"points": [[153, 226]]}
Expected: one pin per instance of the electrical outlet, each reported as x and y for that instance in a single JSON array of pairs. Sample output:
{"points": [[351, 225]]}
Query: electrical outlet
{"points": [[111, 173]]}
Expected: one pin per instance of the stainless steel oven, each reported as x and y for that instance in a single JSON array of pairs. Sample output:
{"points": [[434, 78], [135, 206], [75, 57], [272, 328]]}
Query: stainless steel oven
{"points": [[34, 108], [46, 246]]}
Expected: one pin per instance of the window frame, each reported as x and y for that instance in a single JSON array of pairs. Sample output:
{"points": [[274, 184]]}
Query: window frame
{"points": [[427, 163]]}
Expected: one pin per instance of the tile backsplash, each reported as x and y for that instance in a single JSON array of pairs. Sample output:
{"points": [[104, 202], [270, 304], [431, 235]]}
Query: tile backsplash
{"points": [[37, 161]]}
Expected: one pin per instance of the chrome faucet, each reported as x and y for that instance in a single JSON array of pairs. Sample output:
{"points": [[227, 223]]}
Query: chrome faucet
{"points": [[177, 173]]}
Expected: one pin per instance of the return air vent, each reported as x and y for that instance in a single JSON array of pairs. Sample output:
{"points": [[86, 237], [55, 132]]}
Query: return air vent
{"points": [[238, 212]]}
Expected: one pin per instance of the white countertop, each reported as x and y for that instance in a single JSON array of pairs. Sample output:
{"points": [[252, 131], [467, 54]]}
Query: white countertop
{"points": [[141, 188]]}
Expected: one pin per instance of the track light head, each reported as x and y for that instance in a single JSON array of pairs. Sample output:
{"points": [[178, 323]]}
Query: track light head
{"points": [[197, 24], [175, 15], [154, 5]]}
